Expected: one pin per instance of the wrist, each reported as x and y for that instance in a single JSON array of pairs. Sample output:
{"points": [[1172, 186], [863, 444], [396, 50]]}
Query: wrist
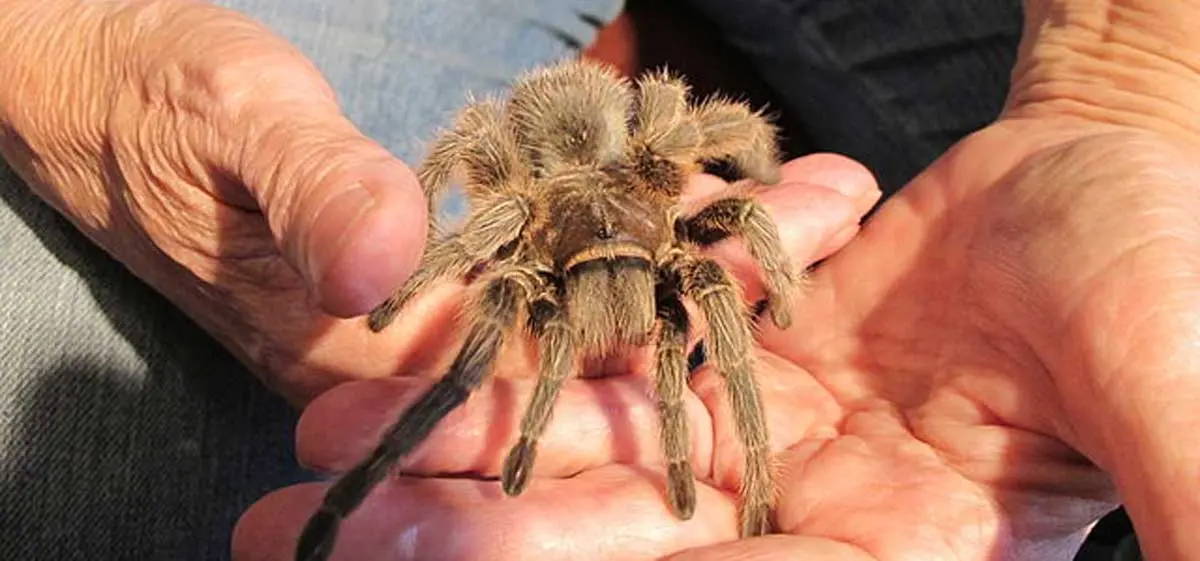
{"points": [[1124, 62]]}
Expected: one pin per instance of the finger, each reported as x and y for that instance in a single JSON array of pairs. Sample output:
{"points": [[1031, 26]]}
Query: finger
{"points": [[610, 420], [776, 548], [407, 518], [839, 173], [346, 214], [817, 207], [795, 407], [809, 219]]}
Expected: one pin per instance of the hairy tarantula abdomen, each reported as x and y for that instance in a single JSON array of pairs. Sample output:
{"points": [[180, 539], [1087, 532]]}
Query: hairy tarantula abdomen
{"points": [[575, 238]]}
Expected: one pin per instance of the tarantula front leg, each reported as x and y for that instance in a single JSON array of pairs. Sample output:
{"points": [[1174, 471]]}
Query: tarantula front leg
{"points": [[665, 135], [481, 238], [730, 345], [732, 130], [494, 312], [481, 144], [556, 345], [744, 216], [671, 381]]}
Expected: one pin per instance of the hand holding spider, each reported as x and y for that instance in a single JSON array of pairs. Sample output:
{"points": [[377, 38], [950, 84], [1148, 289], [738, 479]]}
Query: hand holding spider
{"points": [[819, 204], [577, 238], [934, 399]]}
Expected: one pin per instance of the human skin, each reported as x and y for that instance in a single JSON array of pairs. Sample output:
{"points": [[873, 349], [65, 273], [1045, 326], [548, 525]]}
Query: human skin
{"points": [[1005, 352], [211, 158]]}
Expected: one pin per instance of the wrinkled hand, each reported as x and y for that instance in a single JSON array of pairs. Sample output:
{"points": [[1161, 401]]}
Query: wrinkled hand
{"points": [[212, 159], [1006, 351]]}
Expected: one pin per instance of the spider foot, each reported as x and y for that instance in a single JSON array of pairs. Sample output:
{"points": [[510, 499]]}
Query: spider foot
{"points": [[517, 467]]}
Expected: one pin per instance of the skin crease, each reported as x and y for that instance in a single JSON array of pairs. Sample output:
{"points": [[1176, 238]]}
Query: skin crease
{"points": [[187, 160]]}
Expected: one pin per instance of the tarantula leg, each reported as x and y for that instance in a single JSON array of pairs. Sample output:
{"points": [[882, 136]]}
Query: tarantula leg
{"points": [[730, 348], [484, 234], [665, 135], [662, 112], [435, 172], [744, 216], [443, 258], [495, 311], [548, 323], [484, 146], [732, 130], [671, 380]]}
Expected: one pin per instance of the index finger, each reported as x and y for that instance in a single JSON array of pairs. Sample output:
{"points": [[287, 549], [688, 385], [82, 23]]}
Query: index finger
{"points": [[612, 513]]}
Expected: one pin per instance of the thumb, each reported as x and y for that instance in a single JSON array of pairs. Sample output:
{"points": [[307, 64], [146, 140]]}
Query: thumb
{"points": [[345, 213]]}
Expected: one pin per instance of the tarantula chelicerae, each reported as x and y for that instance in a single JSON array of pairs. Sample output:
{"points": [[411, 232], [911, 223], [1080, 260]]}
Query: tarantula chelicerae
{"points": [[576, 232]]}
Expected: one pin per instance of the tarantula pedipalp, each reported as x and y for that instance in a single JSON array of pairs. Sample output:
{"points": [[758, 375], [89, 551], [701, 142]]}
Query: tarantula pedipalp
{"points": [[574, 187]]}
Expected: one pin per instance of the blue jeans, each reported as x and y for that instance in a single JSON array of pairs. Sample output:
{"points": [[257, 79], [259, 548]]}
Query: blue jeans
{"points": [[126, 433]]}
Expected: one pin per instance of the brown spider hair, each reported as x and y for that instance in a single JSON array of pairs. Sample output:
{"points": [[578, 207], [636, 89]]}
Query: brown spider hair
{"points": [[576, 238]]}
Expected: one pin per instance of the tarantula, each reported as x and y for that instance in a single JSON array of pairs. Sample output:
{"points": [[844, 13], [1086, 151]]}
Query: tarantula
{"points": [[576, 231]]}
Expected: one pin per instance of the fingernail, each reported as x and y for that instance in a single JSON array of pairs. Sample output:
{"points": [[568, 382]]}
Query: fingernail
{"points": [[839, 173], [839, 240]]}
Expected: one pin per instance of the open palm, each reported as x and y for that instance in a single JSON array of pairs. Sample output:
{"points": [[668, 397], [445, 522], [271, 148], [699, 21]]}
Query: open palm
{"points": [[959, 384]]}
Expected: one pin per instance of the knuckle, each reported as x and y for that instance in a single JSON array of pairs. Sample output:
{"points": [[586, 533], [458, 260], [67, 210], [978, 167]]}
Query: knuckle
{"points": [[204, 56]]}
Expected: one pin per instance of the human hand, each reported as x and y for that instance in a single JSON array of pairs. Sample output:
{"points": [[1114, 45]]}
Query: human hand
{"points": [[818, 206], [1002, 355], [212, 159]]}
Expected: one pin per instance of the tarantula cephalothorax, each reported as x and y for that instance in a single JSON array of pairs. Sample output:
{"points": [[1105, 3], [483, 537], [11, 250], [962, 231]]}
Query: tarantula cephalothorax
{"points": [[575, 231]]}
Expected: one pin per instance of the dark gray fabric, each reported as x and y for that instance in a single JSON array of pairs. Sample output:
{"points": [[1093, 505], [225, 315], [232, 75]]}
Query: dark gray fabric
{"points": [[891, 83]]}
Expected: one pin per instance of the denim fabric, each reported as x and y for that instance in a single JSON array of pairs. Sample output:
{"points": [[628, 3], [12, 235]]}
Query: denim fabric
{"points": [[126, 433], [891, 83]]}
